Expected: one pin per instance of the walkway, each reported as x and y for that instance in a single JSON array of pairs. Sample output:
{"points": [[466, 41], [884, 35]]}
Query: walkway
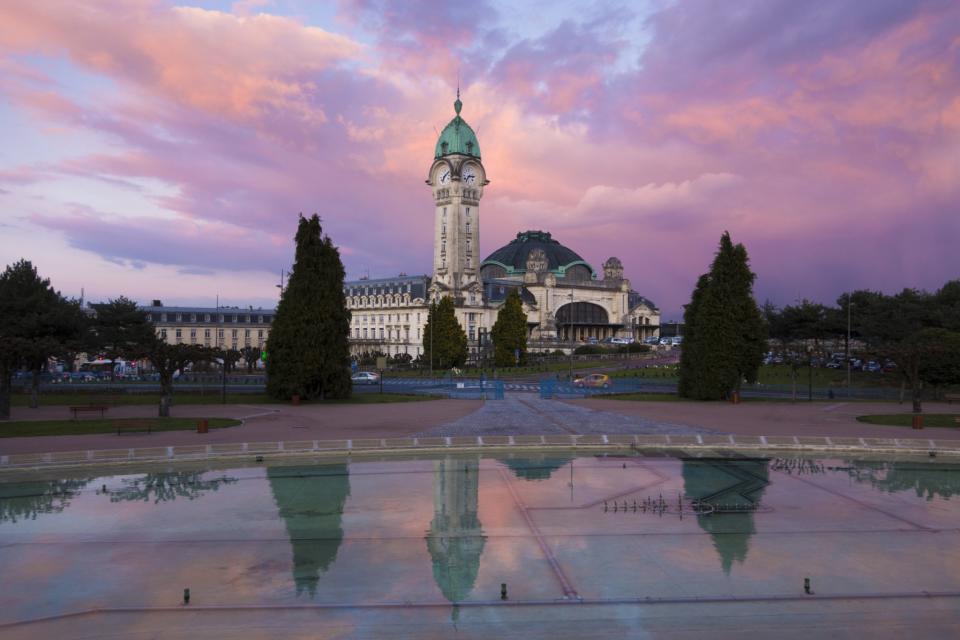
{"points": [[528, 414]]}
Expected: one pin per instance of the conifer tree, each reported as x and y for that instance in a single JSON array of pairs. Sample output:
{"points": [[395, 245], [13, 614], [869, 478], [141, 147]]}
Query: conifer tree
{"points": [[308, 344], [510, 333], [725, 332], [444, 340]]}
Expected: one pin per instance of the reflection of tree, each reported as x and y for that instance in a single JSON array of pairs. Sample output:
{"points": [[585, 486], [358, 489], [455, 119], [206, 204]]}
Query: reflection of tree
{"points": [[310, 500], [162, 487], [535, 467], [733, 483], [455, 540], [26, 500], [927, 481]]}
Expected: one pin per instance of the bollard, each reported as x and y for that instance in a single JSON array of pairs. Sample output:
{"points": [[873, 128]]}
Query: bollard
{"points": [[806, 586], [203, 426], [186, 596], [503, 590], [918, 421]]}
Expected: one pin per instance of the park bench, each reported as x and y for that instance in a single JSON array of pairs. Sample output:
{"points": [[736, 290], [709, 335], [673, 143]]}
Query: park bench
{"points": [[83, 408], [133, 425], [950, 397]]}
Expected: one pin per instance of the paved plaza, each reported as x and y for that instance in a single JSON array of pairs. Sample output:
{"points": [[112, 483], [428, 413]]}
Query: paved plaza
{"points": [[518, 413]]}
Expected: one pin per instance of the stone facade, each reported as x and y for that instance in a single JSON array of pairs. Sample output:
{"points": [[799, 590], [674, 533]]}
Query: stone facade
{"points": [[565, 300]]}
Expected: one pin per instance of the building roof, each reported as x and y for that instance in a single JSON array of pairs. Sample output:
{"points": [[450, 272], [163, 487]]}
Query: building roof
{"points": [[416, 286], [513, 256], [457, 136]]}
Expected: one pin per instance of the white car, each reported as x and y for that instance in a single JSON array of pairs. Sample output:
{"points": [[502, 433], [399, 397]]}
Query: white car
{"points": [[365, 377]]}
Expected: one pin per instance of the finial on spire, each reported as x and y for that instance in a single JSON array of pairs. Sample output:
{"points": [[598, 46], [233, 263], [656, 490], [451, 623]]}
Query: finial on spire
{"points": [[458, 105]]}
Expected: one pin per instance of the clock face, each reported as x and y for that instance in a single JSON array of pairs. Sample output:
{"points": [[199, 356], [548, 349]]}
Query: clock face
{"points": [[443, 176], [470, 175]]}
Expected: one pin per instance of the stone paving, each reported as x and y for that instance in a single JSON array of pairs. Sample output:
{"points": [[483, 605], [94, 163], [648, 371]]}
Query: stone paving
{"points": [[528, 414]]}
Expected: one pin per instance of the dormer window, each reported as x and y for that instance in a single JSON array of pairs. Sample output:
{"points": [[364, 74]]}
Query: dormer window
{"points": [[470, 147], [443, 146]]}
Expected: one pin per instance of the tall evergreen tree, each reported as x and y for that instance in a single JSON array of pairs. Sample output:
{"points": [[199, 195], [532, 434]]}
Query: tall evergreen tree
{"points": [[36, 323], [308, 344], [726, 334], [510, 333], [444, 340]]}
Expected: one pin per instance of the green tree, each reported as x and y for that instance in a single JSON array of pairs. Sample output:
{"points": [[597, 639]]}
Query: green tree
{"points": [[444, 340], [36, 323], [725, 326], [308, 345], [798, 330], [929, 356], [120, 330], [229, 358], [510, 333], [250, 356], [166, 360]]}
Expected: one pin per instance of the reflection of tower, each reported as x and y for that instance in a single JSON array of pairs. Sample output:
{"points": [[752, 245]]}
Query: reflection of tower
{"points": [[310, 500], [455, 540], [730, 483]]}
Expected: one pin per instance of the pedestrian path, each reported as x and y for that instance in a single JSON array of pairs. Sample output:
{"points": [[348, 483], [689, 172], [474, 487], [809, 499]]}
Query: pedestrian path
{"points": [[527, 413], [525, 387]]}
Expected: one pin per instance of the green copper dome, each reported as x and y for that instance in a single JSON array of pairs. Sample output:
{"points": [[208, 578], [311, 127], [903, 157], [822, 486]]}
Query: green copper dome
{"points": [[457, 136]]}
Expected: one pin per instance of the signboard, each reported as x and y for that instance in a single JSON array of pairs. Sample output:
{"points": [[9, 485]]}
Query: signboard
{"points": [[381, 363]]}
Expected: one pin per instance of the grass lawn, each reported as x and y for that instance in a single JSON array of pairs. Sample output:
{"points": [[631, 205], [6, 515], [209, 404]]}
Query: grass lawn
{"points": [[108, 425], [181, 399], [906, 419], [672, 397]]}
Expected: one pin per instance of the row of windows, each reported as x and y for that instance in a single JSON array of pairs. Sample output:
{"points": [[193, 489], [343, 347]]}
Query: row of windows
{"points": [[223, 318], [378, 290], [206, 333], [390, 317], [380, 301]]}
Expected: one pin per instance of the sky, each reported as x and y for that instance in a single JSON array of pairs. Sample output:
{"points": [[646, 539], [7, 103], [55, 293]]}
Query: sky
{"points": [[161, 150]]}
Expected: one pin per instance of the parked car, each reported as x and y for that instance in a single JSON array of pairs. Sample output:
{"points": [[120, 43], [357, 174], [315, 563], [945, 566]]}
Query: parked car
{"points": [[677, 341], [651, 340], [666, 342], [593, 381], [365, 377]]}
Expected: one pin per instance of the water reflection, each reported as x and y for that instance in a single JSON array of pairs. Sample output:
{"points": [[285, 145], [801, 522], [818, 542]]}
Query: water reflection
{"points": [[535, 467], [26, 500], [927, 481], [455, 540], [727, 485], [163, 487], [310, 500]]}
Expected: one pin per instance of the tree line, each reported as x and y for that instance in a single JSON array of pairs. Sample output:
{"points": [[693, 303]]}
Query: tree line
{"points": [[727, 333]]}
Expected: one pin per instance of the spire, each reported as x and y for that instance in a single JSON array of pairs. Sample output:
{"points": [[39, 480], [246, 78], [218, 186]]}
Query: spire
{"points": [[458, 105]]}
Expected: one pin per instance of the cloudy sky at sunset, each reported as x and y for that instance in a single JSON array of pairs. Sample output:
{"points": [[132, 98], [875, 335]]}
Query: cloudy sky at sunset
{"points": [[164, 150]]}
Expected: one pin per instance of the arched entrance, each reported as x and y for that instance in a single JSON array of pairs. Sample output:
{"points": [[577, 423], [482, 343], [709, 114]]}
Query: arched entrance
{"points": [[579, 321]]}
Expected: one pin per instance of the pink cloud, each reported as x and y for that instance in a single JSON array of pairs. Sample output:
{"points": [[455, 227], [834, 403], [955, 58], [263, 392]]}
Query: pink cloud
{"points": [[823, 135]]}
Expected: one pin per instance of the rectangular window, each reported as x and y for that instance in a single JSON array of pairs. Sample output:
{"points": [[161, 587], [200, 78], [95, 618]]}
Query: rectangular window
{"points": [[178, 333], [193, 333], [381, 333], [364, 333], [246, 333], [163, 334], [260, 333], [193, 317], [234, 334], [468, 211], [163, 317], [206, 317], [220, 334], [206, 333]]}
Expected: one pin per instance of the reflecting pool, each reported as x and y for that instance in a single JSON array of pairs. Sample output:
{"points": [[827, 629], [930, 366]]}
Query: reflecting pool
{"points": [[546, 544]]}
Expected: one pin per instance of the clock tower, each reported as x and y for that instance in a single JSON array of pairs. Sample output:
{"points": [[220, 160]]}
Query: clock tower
{"points": [[457, 178]]}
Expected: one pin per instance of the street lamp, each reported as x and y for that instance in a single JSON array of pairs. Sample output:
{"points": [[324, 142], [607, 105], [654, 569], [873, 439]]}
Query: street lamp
{"points": [[849, 305], [810, 373], [569, 332]]}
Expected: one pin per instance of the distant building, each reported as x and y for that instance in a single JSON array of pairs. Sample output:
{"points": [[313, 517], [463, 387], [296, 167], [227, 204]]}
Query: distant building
{"points": [[219, 327], [566, 301]]}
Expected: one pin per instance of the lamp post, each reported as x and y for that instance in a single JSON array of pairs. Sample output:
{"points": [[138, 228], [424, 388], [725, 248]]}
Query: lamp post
{"points": [[223, 361], [569, 336], [809, 373], [849, 305], [431, 318]]}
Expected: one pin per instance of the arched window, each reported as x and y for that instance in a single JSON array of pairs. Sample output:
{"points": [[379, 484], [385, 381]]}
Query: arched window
{"points": [[582, 313]]}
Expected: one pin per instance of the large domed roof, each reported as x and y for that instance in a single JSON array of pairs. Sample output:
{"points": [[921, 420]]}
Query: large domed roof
{"points": [[457, 136], [532, 249]]}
